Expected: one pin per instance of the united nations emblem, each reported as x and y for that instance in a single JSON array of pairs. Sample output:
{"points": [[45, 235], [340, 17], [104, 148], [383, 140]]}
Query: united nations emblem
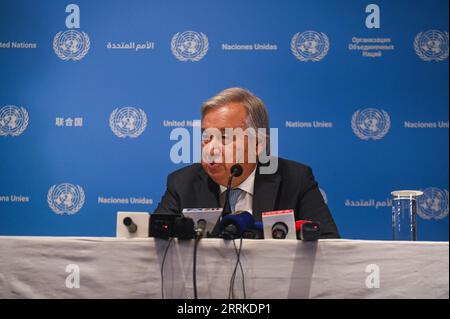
{"points": [[310, 46], [13, 120], [65, 199], [128, 122], [371, 124], [431, 45], [433, 204], [71, 45], [189, 46]]}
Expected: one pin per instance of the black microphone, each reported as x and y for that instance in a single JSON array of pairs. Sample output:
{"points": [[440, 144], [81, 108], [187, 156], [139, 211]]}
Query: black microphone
{"points": [[132, 227], [307, 230], [279, 230], [167, 225], [234, 226], [257, 232], [201, 228], [162, 225], [184, 228]]}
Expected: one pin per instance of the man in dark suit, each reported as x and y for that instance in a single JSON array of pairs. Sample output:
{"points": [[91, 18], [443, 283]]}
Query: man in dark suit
{"points": [[261, 187]]}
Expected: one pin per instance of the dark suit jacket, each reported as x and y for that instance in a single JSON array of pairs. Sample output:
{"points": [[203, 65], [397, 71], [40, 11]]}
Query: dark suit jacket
{"points": [[292, 186]]}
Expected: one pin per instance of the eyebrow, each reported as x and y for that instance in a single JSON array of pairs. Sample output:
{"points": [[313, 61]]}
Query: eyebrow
{"points": [[222, 130]]}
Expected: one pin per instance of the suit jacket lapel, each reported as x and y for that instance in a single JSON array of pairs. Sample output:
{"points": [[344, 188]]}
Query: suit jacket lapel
{"points": [[206, 191], [265, 193]]}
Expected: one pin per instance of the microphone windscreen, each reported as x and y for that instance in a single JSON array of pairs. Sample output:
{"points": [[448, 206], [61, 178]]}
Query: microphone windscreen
{"points": [[259, 226], [299, 223], [242, 222], [236, 170]]}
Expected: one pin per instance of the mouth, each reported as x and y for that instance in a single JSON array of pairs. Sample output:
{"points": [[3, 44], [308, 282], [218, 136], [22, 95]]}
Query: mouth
{"points": [[213, 166]]}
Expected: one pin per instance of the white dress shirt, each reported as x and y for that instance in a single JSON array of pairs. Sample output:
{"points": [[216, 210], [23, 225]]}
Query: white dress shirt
{"points": [[245, 199]]}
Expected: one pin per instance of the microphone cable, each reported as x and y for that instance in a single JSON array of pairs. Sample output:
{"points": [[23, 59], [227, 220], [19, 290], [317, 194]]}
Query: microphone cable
{"points": [[194, 268], [233, 276], [238, 253], [199, 233], [162, 266]]}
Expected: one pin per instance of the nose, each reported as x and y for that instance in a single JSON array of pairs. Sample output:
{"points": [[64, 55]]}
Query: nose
{"points": [[211, 151]]}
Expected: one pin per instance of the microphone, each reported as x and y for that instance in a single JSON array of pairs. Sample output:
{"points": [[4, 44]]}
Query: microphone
{"points": [[235, 171], [279, 224], [131, 226], [299, 224], [257, 232], [162, 225], [234, 226], [184, 228], [307, 230], [167, 225], [279, 230], [200, 230]]}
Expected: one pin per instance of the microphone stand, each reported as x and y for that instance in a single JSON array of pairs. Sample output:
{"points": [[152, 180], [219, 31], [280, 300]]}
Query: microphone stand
{"points": [[226, 207], [236, 171]]}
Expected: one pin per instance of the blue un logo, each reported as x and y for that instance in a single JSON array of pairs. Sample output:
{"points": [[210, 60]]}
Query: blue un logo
{"points": [[128, 122], [433, 204], [71, 45], [371, 124], [431, 45], [65, 199], [310, 46], [13, 120], [189, 46]]}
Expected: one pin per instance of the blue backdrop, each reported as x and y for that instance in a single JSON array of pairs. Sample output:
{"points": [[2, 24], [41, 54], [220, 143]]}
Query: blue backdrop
{"points": [[91, 90]]}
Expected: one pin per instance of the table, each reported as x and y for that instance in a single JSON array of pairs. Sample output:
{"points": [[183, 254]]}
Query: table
{"points": [[52, 267]]}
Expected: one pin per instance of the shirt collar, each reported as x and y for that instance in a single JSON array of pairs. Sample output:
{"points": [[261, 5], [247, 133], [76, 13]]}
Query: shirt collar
{"points": [[247, 185]]}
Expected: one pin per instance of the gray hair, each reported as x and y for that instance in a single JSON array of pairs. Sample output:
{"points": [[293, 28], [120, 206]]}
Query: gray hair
{"points": [[257, 113]]}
